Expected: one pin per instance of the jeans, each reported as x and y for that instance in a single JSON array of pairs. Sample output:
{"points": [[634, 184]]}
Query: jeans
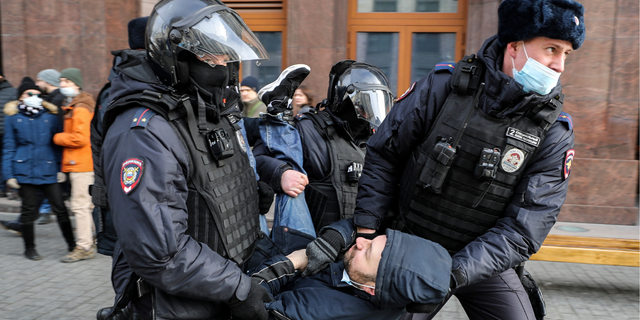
{"points": [[283, 142], [252, 160]]}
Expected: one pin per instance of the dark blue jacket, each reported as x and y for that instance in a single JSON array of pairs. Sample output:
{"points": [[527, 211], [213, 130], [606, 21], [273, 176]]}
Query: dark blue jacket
{"points": [[538, 197], [29, 154]]}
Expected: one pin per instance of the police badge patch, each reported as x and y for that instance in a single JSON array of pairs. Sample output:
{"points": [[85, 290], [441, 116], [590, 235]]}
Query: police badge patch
{"points": [[568, 161], [131, 174], [512, 160]]}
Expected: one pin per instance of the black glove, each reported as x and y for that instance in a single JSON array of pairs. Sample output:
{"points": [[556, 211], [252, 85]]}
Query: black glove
{"points": [[322, 251], [253, 306], [422, 307], [265, 194]]}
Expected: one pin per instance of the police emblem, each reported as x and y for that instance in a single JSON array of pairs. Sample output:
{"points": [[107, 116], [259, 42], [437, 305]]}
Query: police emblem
{"points": [[512, 160], [568, 161], [241, 141], [131, 174]]}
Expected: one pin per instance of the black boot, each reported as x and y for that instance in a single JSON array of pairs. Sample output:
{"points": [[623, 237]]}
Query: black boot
{"points": [[28, 235], [67, 233]]}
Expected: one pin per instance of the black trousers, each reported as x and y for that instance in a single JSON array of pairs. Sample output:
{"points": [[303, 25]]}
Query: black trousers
{"points": [[500, 297], [31, 202]]}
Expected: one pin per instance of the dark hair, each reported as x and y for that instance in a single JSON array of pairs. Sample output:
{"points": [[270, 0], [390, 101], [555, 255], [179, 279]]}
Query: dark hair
{"points": [[306, 92]]}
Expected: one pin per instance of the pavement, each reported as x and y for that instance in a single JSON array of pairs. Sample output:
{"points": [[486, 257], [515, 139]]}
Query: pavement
{"points": [[49, 289]]}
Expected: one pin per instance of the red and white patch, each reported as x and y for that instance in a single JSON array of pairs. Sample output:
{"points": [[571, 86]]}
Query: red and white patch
{"points": [[131, 174], [406, 93], [568, 161], [576, 20], [512, 160]]}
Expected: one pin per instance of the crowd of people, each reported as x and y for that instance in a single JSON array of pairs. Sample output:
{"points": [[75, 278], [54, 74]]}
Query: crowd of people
{"points": [[385, 206]]}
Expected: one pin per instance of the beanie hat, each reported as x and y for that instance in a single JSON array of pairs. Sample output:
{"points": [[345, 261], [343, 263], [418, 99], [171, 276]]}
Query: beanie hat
{"points": [[526, 19], [72, 74], [50, 76], [250, 82], [137, 29], [27, 84]]}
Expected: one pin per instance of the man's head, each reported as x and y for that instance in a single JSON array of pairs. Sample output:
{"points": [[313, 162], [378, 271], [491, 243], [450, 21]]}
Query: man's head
{"points": [[249, 89], [70, 82], [48, 80], [399, 269]]}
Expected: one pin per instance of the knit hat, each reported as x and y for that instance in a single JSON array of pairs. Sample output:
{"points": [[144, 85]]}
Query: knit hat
{"points": [[27, 84], [137, 29], [526, 19], [72, 74], [250, 82], [50, 76]]}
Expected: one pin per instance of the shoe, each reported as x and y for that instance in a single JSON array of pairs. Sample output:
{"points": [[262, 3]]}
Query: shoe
{"points": [[44, 218], [277, 95], [79, 254], [13, 195], [32, 254], [12, 226]]}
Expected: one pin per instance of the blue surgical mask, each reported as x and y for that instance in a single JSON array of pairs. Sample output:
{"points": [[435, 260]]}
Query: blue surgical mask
{"points": [[534, 76], [357, 285], [69, 92]]}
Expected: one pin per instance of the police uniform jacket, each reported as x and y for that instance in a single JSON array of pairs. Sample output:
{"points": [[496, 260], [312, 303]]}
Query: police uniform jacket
{"points": [[537, 199]]}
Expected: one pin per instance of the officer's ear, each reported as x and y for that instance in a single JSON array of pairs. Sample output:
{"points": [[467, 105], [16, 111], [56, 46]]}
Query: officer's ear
{"points": [[513, 48]]}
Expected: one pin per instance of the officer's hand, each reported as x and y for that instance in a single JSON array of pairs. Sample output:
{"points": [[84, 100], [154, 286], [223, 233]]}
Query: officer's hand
{"points": [[13, 183], [323, 250], [253, 306], [293, 182], [61, 177], [265, 194]]}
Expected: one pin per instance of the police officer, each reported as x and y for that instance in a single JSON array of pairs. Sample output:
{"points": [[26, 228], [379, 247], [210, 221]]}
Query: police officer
{"points": [[478, 160], [177, 172], [332, 142]]}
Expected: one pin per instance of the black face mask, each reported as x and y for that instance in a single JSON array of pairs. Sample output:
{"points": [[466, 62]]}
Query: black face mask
{"points": [[210, 83], [359, 128]]}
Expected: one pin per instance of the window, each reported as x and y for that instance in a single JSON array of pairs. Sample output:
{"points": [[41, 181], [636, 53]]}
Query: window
{"points": [[406, 38]]}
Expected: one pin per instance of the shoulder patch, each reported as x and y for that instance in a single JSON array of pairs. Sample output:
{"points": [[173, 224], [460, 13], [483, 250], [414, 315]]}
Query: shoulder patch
{"points": [[300, 116], [131, 173], [406, 93], [446, 66], [142, 117], [568, 161], [565, 117]]}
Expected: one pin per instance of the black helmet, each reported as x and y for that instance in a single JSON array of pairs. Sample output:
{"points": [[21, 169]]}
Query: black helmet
{"points": [[360, 86], [206, 28]]}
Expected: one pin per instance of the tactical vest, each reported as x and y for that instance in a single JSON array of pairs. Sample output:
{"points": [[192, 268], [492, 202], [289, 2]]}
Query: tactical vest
{"points": [[461, 178], [222, 198], [334, 197]]}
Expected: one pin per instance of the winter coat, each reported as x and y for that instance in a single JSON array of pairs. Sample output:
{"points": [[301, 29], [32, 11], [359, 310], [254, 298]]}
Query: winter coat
{"points": [[7, 94], [538, 197], [29, 154], [76, 138]]}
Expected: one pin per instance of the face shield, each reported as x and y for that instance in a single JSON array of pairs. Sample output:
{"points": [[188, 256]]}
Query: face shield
{"points": [[371, 102], [218, 37]]}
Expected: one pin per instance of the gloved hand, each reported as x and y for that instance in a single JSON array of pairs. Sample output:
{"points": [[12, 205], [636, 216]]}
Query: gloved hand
{"points": [[265, 194], [13, 183], [323, 250], [62, 177], [253, 306]]}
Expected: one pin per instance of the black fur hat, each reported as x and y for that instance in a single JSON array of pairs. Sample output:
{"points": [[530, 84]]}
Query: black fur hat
{"points": [[137, 29], [527, 19]]}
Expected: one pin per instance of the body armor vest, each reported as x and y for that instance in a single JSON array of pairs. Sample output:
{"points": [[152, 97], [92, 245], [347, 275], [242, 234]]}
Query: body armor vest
{"points": [[461, 178], [334, 197], [222, 200]]}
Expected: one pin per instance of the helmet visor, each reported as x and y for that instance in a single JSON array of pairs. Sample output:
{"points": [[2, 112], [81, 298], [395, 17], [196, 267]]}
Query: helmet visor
{"points": [[371, 102], [222, 37]]}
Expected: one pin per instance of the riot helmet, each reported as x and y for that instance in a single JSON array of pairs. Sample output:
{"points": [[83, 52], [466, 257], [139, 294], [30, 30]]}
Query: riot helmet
{"points": [[206, 28], [359, 92]]}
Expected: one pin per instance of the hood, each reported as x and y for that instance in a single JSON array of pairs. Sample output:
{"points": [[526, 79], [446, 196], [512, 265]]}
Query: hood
{"points": [[412, 269], [11, 107], [133, 74], [5, 84], [83, 100], [503, 96]]}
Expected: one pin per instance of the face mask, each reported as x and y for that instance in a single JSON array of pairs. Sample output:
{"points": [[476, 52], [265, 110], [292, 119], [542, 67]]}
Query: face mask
{"points": [[534, 76], [69, 92], [347, 280], [33, 101], [207, 77]]}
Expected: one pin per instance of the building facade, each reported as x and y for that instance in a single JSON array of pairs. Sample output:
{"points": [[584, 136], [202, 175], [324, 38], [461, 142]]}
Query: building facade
{"points": [[405, 38]]}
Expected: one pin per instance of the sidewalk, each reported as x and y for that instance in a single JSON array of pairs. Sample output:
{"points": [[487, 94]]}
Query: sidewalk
{"points": [[49, 289]]}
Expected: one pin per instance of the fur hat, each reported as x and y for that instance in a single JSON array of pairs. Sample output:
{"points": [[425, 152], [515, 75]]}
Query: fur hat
{"points": [[72, 74], [26, 84], [50, 76], [250, 82], [137, 29], [526, 19]]}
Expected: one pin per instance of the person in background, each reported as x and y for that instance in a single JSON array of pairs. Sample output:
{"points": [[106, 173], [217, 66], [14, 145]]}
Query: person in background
{"points": [[302, 100], [249, 97], [31, 162], [77, 159], [7, 93]]}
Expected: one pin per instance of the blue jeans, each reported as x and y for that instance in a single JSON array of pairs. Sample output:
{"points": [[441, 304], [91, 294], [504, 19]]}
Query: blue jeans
{"points": [[283, 143], [252, 160]]}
